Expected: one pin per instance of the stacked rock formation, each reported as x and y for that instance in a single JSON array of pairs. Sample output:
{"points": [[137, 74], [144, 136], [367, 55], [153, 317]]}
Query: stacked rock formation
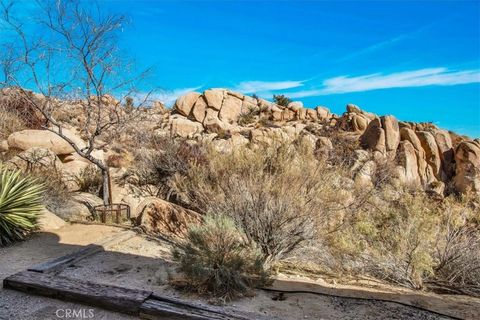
{"points": [[426, 156], [219, 110]]}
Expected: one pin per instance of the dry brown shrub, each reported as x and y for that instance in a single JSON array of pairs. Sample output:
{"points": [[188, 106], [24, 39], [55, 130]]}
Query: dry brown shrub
{"points": [[90, 180], [56, 195], [20, 107], [458, 248], [276, 194], [155, 166], [218, 259], [10, 122]]}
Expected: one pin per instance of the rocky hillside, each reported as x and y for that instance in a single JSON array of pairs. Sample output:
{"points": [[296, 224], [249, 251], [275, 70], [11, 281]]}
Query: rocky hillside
{"points": [[419, 155], [424, 155]]}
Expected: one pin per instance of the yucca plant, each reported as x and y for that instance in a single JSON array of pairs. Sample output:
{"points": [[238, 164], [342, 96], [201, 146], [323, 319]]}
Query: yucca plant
{"points": [[20, 205]]}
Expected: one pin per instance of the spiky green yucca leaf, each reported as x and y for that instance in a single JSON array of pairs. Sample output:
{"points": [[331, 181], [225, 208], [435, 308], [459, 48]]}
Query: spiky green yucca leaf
{"points": [[20, 205]]}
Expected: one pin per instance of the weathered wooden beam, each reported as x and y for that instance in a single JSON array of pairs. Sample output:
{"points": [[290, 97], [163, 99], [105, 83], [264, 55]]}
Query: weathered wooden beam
{"points": [[124, 300], [105, 296], [155, 309], [158, 307]]}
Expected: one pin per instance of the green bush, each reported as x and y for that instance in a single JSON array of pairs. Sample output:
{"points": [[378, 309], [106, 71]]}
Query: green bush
{"points": [[218, 259], [281, 100], [20, 204]]}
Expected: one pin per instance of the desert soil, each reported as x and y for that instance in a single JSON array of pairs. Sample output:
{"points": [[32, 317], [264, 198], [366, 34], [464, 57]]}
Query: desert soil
{"points": [[142, 263], [40, 248]]}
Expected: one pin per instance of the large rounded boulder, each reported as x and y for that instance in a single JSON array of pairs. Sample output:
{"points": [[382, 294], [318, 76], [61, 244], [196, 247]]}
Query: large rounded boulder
{"points": [[159, 217], [27, 139]]}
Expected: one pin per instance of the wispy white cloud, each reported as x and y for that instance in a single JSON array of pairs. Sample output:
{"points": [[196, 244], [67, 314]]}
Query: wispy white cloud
{"points": [[385, 43], [263, 86], [373, 48], [167, 97], [415, 78]]}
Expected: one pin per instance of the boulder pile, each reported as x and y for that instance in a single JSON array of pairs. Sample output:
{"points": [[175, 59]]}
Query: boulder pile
{"points": [[220, 110], [425, 156]]}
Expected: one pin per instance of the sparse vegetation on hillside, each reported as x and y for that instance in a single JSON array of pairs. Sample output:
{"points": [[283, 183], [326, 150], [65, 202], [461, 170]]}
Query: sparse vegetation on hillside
{"points": [[20, 205], [296, 205], [274, 194]]}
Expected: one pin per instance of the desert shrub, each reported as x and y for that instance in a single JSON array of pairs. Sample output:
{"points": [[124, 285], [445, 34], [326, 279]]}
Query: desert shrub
{"points": [[129, 104], [55, 195], [10, 121], [458, 269], [273, 194], [266, 123], [218, 259], [90, 180], [246, 118], [407, 238], [344, 146], [18, 106], [457, 250], [120, 159], [390, 238], [115, 161], [155, 167], [223, 134], [296, 206], [249, 116], [281, 100], [20, 205]]}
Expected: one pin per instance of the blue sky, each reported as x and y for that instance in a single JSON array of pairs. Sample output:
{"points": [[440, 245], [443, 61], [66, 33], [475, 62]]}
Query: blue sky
{"points": [[419, 61]]}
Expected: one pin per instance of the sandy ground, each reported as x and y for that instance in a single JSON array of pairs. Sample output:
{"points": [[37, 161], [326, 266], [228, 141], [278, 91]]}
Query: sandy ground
{"points": [[141, 263], [40, 248], [146, 264]]}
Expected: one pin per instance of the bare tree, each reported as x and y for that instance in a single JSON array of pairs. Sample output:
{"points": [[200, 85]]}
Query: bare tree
{"points": [[72, 55]]}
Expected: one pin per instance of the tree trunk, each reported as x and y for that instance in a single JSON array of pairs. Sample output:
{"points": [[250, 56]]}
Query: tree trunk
{"points": [[106, 186]]}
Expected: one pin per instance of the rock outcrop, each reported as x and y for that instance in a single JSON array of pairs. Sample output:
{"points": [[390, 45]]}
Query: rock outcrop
{"points": [[220, 110], [425, 155], [382, 135], [159, 217], [422, 155], [467, 171], [27, 139]]}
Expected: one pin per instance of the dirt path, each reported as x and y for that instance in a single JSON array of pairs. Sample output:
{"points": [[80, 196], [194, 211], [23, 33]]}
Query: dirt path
{"points": [[42, 247]]}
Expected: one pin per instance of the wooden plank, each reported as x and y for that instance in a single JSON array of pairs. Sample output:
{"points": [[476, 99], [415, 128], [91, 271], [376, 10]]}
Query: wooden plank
{"points": [[453, 306], [159, 307], [130, 301], [210, 310], [155, 309], [105, 296], [64, 261]]}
